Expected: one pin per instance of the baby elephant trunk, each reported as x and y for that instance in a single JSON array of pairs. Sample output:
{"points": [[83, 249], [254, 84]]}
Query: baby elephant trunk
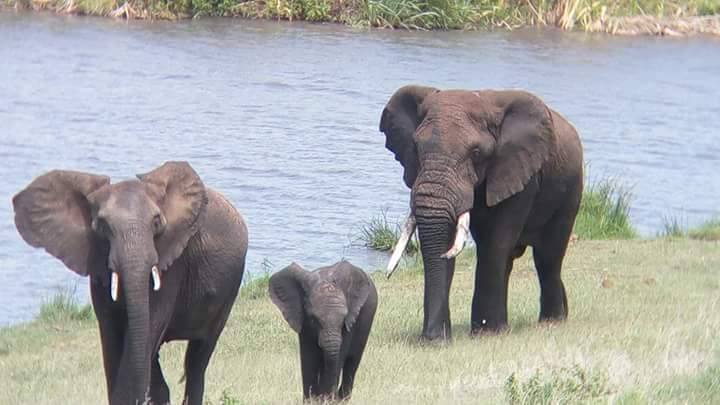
{"points": [[330, 342]]}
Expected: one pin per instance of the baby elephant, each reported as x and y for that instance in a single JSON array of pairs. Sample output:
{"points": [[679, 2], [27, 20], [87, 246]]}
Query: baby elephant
{"points": [[332, 310]]}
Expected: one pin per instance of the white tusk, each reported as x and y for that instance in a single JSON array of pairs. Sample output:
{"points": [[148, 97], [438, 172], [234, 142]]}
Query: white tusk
{"points": [[461, 236], [156, 278], [407, 232], [114, 286]]}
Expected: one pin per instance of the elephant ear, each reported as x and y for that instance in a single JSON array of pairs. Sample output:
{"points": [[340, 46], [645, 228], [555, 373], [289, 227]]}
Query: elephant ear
{"points": [[288, 294], [399, 120], [524, 143], [53, 213], [356, 285], [182, 198]]}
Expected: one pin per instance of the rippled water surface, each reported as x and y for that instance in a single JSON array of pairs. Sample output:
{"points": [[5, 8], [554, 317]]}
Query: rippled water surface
{"points": [[282, 119]]}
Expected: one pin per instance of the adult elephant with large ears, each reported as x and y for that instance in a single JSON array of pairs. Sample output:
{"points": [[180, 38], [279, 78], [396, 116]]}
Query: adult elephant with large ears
{"points": [[500, 165], [165, 256]]}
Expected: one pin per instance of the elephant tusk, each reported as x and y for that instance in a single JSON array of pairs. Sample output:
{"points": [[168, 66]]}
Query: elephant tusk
{"points": [[407, 232], [156, 278], [461, 236], [114, 286]]}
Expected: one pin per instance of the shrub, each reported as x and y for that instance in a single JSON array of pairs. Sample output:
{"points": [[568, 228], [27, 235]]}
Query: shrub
{"points": [[63, 307], [379, 234], [255, 287], [604, 212]]}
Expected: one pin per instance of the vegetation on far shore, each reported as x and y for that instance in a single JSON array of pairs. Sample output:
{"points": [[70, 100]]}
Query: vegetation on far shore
{"points": [[659, 17], [641, 330]]}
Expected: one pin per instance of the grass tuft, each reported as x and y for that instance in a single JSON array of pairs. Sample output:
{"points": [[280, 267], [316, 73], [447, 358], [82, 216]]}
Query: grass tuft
{"points": [[256, 287], [380, 234], [566, 385], [709, 230], [65, 307], [605, 212], [672, 227]]}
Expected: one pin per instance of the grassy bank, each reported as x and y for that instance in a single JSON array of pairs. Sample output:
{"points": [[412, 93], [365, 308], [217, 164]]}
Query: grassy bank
{"points": [[642, 329], [660, 17]]}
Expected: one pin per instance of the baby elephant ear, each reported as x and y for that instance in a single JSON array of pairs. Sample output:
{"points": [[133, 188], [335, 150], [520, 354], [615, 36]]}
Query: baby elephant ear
{"points": [[287, 293], [356, 285]]}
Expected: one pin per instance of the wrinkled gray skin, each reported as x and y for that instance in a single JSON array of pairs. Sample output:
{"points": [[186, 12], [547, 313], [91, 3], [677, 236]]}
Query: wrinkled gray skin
{"points": [[510, 161], [332, 310], [168, 218]]}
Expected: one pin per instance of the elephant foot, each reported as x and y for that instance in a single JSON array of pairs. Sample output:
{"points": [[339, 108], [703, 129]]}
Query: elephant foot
{"points": [[553, 317], [442, 334], [488, 327]]}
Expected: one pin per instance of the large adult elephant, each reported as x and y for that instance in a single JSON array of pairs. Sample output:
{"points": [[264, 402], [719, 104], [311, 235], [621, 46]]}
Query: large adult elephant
{"points": [[132, 238], [499, 164]]}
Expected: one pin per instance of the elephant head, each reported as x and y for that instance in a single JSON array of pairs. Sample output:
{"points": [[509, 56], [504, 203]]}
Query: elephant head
{"points": [[456, 146], [124, 234], [323, 304]]}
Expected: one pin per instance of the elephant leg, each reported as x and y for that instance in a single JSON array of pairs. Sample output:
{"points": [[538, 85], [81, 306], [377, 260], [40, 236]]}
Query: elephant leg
{"points": [[489, 304], [197, 358], [497, 248], [548, 255], [348, 375], [159, 391], [111, 332], [311, 360]]}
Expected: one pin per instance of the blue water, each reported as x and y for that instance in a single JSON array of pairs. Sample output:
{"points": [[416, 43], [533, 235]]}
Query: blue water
{"points": [[282, 118]]}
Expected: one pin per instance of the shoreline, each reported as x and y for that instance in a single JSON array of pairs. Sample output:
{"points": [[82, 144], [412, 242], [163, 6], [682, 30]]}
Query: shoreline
{"points": [[563, 14]]}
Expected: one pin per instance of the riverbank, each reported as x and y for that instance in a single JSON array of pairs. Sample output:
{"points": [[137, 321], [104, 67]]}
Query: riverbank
{"points": [[624, 17], [642, 329]]}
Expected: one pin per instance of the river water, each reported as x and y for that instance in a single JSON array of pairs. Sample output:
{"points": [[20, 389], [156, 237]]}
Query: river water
{"points": [[282, 118]]}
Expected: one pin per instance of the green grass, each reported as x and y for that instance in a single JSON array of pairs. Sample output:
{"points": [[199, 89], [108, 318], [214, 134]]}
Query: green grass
{"points": [[256, 286], [604, 212], [380, 234], [642, 329], [592, 15], [564, 385], [65, 307], [673, 227]]}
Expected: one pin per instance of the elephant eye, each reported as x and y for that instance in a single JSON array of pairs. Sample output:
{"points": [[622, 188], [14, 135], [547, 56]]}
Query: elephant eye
{"points": [[158, 224]]}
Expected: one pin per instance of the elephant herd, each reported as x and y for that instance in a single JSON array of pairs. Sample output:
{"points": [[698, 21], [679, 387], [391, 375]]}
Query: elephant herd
{"points": [[166, 254]]}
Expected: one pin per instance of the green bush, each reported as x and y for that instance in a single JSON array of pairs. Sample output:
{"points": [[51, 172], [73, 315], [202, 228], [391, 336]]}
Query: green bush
{"points": [[255, 287], [65, 307], [380, 234], [604, 212]]}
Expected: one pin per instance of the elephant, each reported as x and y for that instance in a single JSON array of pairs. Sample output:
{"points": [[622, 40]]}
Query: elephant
{"points": [[165, 255], [497, 165], [332, 310]]}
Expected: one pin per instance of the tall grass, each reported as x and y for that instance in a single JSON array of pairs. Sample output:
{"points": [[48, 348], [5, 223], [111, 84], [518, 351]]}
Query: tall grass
{"points": [[380, 234], [63, 307], [605, 212], [592, 15], [709, 230]]}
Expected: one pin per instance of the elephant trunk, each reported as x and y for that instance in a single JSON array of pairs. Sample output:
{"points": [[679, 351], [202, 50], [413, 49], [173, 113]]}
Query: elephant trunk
{"points": [[441, 200], [435, 231], [135, 364], [330, 342]]}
